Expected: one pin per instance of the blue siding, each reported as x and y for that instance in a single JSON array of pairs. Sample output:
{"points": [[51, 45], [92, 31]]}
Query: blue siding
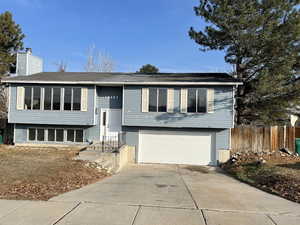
{"points": [[221, 118], [131, 136], [52, 117], [20, 134], [223, 139]]}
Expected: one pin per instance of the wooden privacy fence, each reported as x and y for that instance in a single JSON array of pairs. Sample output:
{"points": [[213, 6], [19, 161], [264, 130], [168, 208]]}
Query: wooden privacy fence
{"points": [[259, 139]]}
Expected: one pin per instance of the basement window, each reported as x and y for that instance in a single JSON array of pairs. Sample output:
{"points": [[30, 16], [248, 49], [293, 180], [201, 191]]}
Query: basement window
{"points": [[40, 134], [31, 134], [59, 135]]}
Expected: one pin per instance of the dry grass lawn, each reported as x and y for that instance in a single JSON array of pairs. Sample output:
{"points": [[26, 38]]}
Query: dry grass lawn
{"points": [[41, 173]]}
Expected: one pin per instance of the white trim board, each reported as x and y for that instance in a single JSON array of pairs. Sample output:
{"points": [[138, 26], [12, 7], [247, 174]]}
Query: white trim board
{"points": [[121, 83]]}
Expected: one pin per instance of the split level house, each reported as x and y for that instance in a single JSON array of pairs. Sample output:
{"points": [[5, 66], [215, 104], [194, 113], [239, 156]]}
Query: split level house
{"points": [[178, 118]]}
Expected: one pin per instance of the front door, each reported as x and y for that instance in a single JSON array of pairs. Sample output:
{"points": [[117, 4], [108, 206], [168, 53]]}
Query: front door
{"points": [[110, 124]]}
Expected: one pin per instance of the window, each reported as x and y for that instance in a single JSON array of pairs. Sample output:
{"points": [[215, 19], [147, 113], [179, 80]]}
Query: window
{"points": [[74, 135], [40, 134], [192, 100], [31, 134], [28, 95], [51, 134], [197, 100], [202, 101], [70, 135], [162, 100], [152, 99], [32, 99], [79, 136], [59, 135], [68, 99], [47, 98], [76, 99], [72, 99], [36, 104], [157, 100], [55, 135], [104, 119], [56, 99], [35, 134]]}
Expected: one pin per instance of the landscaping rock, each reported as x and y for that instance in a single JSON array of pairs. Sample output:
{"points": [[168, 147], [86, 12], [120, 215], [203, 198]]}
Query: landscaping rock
{"points": [[262, 161], [286, 150], [233, 159], [277, 173]]}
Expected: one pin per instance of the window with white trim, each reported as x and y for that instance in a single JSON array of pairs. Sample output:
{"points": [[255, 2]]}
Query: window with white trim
{"points": [[55, 135], [31, 134], [28, 98], [76, 99], [47, 98], [36, 134], [75, 135], [40, 134], [68, 99], [36, 102], [72, 99], [157, 99], [59, 137], [197, 100], [53, 98], [51, 134], [32, 98], [56, 98], [79, 136]]}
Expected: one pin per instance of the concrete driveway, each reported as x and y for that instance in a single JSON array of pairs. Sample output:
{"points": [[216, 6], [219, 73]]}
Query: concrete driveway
{"points": [[157, 195]]}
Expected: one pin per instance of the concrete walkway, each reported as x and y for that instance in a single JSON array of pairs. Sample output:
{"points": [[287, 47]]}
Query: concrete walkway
{"points": [[157, 195]]}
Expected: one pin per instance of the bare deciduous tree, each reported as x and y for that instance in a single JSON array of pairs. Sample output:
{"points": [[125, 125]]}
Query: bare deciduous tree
{"points": [[98, 61]]}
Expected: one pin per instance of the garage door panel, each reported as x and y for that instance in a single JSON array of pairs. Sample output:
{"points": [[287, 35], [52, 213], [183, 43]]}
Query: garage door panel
{"points": [[194, 148]]}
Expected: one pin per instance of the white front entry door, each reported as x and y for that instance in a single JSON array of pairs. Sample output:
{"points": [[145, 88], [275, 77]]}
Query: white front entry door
{"points": [[176, 147], [110, 123]]}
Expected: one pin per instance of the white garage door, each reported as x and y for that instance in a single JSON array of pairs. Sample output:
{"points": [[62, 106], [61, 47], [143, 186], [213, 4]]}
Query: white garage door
{"points": [[176, 147]]}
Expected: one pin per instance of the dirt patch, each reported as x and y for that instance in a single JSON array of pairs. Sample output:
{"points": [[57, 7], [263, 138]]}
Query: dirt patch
{"points": [[42, 173], [276, 172]]}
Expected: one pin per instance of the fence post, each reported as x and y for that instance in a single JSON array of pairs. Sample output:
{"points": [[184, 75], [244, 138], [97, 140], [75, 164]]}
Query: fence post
{"points": [[274, 138], [284, 137]]}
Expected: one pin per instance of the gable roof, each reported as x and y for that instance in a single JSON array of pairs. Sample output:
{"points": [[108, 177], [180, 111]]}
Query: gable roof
{"points": [[125, 78]]}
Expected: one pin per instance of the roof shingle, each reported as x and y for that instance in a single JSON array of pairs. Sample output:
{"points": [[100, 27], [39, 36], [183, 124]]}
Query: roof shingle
{"points": [[121, 78]]}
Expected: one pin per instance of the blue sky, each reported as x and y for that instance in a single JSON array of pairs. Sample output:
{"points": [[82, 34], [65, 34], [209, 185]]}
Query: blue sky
{"points": [[132, 32]]}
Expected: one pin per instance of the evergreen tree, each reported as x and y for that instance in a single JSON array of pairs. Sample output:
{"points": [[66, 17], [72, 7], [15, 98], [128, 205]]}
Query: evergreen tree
{"points": [[11, 41], [148, 68], [261, 38]]}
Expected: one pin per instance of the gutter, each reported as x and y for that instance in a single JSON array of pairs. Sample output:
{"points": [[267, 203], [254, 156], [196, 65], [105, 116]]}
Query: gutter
{"points": [[119, 83]]}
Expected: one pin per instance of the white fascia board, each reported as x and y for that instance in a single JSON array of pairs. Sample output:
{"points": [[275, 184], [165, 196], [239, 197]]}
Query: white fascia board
{"points": [[121, 83]]}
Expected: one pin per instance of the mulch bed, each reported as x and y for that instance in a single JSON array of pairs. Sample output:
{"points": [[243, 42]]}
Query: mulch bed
{"points": [[276, 172], [42, 173]]}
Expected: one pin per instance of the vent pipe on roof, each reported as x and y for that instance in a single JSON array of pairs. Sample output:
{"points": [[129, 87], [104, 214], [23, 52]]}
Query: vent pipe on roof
{"points": [[28, 51]]}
